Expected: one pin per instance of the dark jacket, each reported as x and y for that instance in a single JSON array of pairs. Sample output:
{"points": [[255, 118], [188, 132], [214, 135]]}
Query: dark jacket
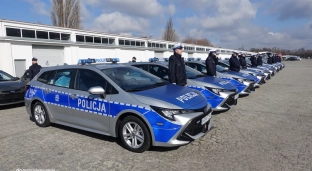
{"points": [[253, 61], [242, 62], [270, 60], [279, 59], [274, 59], [34, 69], [234, 64], [259, 61], [177, 72], [211, 63]]}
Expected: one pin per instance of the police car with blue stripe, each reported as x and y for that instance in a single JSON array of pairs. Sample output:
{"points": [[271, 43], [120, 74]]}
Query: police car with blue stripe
{"points": [[119, 101], [221, 94], [245, 83]]}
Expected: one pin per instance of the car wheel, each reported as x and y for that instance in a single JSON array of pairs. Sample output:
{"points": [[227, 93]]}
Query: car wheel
{"points": [[41, 115], [134, 134]]}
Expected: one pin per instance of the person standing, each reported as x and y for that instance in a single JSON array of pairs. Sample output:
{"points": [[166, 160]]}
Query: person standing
{"points": [[133, 59], [211, 63], [34, 69], [177, 73], [234, 62], [242, 60], [270, 59], [259, 60], [253, 61]]}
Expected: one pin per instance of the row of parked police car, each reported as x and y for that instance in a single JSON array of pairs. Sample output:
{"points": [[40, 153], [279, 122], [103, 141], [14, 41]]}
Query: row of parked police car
{"points": [[134, 101]]}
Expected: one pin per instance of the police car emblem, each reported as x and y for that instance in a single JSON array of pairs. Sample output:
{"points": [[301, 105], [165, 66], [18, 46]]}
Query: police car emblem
{"points": [[57, 98]]}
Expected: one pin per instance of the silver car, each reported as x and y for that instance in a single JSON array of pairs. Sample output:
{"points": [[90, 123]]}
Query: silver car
{"points": [[120, 101]]}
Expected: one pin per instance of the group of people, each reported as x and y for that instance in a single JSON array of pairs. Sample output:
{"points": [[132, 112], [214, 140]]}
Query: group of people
{"points": [[238, 61], [274, 58]]}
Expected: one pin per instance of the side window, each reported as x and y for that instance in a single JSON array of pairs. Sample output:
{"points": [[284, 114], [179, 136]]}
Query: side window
{"points": [[159, 71], [44, 77], [144, 67], [87, 79], [62, 78]]}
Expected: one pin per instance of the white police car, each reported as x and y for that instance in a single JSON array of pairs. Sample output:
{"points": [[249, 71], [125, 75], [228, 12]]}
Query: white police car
{"points": [[119, 101]]}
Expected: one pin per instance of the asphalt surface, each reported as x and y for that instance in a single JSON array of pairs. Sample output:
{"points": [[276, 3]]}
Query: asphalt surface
{"points": [[269, 130]]}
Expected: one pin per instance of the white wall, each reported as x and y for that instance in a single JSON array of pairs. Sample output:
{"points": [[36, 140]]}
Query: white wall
{"points": [[6, 59], [20, 51], [94, 52]]}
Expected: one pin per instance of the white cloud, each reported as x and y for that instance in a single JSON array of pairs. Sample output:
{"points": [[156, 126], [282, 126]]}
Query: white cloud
{"points": [[117, 22], [39, 7], [139, 8]]}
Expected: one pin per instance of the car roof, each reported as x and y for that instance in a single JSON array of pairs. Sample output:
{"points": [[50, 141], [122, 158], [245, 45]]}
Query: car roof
{"points": [[96, 66]]}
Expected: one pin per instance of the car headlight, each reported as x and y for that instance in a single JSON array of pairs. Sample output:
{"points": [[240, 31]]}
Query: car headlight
{"points": [[239, 79], [215, 90], [169, 113]]}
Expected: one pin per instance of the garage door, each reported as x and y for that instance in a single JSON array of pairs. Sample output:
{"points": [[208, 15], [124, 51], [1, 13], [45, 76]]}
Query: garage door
{"points": [[49, 55], [20, 67]]}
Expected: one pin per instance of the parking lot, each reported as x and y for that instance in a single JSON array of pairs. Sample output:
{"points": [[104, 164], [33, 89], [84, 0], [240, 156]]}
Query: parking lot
{"points": [[269, 130]]}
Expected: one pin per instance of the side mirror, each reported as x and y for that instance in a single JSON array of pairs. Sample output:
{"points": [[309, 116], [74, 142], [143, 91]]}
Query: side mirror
{"points": [[166, 77], [97, 91]]}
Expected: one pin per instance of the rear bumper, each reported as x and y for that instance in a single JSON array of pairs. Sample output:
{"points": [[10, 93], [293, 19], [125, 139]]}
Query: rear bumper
{"points": [[9, 99]]}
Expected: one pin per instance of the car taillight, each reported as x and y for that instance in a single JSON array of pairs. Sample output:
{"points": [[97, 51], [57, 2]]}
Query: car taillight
{"points": [[27, 87]]}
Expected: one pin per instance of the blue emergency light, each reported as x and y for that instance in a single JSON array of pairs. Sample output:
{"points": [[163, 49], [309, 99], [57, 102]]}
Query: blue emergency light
{"points": [[153, 59], [190, 59], [198, 59], [100, 60]]}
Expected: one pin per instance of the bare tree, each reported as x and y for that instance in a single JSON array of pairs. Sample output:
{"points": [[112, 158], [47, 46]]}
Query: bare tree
{"points": [[202, 42], [170, 33], [66, 13]]}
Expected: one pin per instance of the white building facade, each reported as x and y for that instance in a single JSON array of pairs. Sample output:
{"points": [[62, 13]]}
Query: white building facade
{"points": [[20, 42]]}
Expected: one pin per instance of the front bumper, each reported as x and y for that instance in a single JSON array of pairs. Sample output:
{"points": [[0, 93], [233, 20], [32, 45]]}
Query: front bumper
{"points": [[11, 98], [228, 101], [191, 130]]}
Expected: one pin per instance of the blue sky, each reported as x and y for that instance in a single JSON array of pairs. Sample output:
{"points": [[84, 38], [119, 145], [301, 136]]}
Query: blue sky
{"points": [[227, 23]]}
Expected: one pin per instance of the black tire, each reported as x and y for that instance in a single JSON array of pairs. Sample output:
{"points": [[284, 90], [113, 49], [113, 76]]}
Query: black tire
{"points": [[132, 120], [41, 122]]}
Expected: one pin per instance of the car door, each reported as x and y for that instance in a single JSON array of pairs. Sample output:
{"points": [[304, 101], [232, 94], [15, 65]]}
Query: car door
{"points": [[55, 93], [90, 111]]}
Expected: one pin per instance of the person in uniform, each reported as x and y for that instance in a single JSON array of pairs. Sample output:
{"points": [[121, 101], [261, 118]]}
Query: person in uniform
{"points": [[270, 59], [234, 63], [253, 61], [211, 63], [242, 60], [177, 73], [133, 59], [34, 69], [259, 60]]}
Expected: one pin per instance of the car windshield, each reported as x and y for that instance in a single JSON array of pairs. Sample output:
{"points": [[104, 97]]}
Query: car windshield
{"points": [[221, 69], [133, 79], [5, 76], [192, 73]]}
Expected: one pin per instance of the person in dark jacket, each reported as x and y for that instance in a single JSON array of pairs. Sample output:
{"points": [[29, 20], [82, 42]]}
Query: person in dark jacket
{"points": [[274, 59], [259, 60], [279, 58], [177, 73], [211, 63], [242, 60], [253, 61], [34, 69], [270, 59], [234, 63]]}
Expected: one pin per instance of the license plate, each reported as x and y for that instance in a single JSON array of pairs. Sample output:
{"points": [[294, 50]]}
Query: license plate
{"points": [[236, 96], [206, 119]]}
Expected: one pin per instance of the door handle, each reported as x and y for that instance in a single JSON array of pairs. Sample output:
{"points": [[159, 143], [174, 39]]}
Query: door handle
{"points": [[73, 96]]}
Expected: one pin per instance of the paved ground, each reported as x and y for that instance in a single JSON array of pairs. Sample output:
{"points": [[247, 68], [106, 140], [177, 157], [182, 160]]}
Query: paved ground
{"points": [[269, 130]]}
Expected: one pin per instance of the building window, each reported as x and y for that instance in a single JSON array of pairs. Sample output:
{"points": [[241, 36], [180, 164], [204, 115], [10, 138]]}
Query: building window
{"points": [[127, 42], [29, 33], [54, 36], [121, 42], [132, 43], [97, 40], [79, 38], [65, 36], [13, 32], [170, 46], [89, 39], [111, 41], [42, 35]]}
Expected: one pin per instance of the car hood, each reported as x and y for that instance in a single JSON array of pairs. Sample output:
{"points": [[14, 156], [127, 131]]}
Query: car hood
{"points": [[11, 85], [225, 84], [241, 75], [171, 96]]}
